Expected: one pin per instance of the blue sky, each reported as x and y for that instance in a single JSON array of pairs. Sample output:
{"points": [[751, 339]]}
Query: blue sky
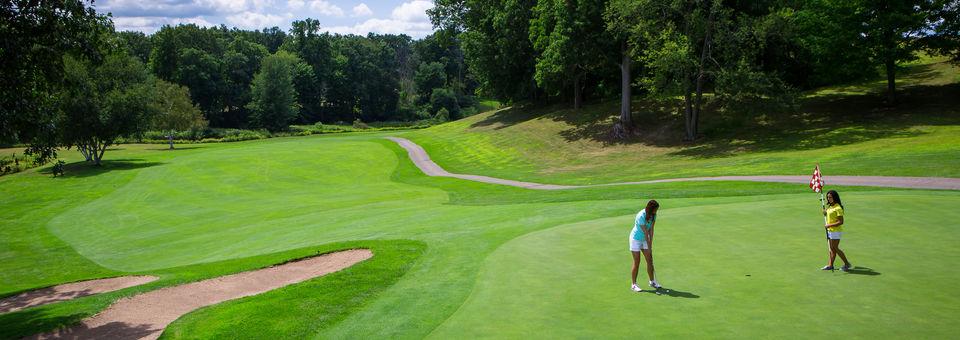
{"points": [[337, 16]]}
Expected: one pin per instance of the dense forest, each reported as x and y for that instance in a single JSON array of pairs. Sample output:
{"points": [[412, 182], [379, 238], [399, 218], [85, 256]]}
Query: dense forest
{"points": [[71, 80], [746, 54]]}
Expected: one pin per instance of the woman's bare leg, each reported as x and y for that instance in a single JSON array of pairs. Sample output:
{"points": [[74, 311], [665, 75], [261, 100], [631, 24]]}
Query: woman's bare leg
{"points": [[833, 251], [648, 255], [636, 266], [836, 250]]}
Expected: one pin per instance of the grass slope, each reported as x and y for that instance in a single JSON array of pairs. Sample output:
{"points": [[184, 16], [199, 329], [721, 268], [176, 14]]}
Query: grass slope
{"points": [[843, 127]]}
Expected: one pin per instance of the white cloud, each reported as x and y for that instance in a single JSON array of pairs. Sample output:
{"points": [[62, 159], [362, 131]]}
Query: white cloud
{"points": [[386, 26], [174, 8], [295, 4], [362, 10], [150, 25], [252, 20], [224, 6], [409, 18], [325, 8], [412, 11]]}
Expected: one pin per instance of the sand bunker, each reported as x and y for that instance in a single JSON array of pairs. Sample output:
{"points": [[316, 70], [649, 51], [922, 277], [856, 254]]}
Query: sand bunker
{"points": [[145, 316], [69, 291]]}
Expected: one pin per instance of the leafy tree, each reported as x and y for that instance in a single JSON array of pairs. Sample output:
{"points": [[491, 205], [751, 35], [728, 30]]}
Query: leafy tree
{"points": [[443, 46], [202, 73], [316, 50], [944, 37], [102, 102], [890, 28], [446, 100], [496, 43], [367, 83], [241, 62], [34, 37], [137, 44], [274, 99], [170, 41], [429, 76], [174, 110], [572, 42]]}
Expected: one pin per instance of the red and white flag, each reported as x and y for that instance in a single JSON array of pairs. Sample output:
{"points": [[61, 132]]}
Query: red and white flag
{"points": [[816, 183]]}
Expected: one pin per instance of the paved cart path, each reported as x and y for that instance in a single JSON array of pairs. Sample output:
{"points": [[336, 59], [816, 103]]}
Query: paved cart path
{"points": [[423, 161]]}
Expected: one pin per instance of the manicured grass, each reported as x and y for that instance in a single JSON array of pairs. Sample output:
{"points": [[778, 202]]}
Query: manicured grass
{"points": [[737, 270], [181, 214], [845, 128]]}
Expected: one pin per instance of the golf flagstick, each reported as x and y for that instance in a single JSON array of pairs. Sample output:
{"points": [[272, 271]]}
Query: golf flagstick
{"points": [[816, 183]]}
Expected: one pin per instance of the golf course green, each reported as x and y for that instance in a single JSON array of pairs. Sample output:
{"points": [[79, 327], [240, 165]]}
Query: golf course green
{"points": [[456, 258]]}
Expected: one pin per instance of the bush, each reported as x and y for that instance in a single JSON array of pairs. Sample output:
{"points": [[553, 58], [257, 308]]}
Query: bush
{"points": [[358, 124], [14, 163], [445, 98]]}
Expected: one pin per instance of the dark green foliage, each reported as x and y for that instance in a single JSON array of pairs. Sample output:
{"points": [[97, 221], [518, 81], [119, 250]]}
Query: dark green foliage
{"points": [[944, 38], [445, 99], [496, 44], [315, 49], [201, 72], [240, 63], [429, 76], [105, 101], [137, 44], [572, 44], [273, 102], [34, 37]]}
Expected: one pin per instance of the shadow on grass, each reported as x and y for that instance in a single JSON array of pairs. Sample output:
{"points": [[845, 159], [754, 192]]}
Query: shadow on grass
{"points": [[673, 293], [85, 169], [513, 115], [21, 322], [857, 270], [178, 148], [15, 325]]}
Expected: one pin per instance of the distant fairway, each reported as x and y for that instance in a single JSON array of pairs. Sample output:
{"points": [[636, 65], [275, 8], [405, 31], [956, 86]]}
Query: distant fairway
{"points": [[496, 260]]}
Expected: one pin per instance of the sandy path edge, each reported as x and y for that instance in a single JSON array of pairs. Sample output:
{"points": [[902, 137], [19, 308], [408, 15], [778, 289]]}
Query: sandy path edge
{"points": [[146, 315], [419, 157], [69, 291]]}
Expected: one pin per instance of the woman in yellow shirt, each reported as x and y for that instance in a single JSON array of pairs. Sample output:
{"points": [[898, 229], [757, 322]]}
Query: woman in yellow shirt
{"points": [[834, 226]]}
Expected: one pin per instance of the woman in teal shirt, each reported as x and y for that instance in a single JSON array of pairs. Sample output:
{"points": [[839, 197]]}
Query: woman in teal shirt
{"points": [[641, 241]]}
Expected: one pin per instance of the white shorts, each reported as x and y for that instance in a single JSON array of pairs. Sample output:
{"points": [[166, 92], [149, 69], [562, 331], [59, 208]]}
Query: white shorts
{"points": [[834, 235], [636, 245]]}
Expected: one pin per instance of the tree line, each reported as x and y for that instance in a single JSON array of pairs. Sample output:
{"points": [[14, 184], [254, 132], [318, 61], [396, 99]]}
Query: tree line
{"points": [[743, 52], [70, 80]]}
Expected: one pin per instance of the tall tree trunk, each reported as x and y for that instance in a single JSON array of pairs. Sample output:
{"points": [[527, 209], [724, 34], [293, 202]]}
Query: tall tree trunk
{"points": [[577, 99], [702, 74], [891, 81], [86, 149], [98, 152], [625, 92], [688, 110]]}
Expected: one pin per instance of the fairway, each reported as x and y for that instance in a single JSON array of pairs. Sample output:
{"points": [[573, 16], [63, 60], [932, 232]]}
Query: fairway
{"points": [[496, 262]]}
